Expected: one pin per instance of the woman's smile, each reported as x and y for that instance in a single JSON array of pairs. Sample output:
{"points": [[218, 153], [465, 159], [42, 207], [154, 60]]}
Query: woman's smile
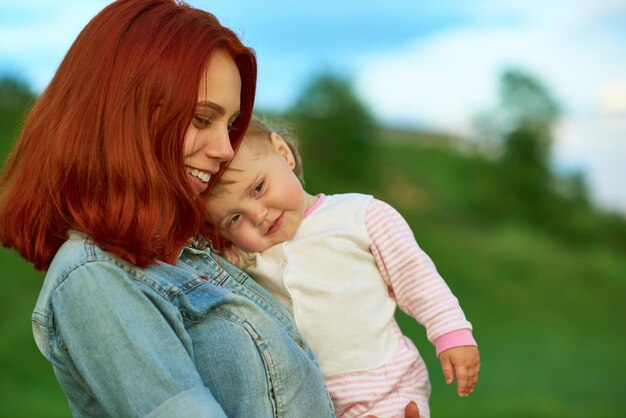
{"points": [[199, 179]]}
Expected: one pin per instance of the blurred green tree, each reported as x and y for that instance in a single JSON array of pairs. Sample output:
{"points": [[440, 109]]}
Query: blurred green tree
{"points": [[529, 112], [527, 188], [522, 125], [336, 130]]}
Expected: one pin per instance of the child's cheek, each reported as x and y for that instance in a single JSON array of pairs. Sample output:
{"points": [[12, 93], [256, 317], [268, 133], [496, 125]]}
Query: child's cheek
{"points": [[248, 240]]}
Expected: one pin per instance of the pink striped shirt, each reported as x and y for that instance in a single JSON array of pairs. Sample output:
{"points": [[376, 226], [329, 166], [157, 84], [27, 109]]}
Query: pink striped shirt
{"points": [[420, 292], [352, 261], [410, 273]]}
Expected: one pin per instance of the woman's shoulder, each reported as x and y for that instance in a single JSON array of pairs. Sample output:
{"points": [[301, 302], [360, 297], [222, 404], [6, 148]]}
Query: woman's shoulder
{"points": [[81, 266], [76, 254], [83, 271], [80, 255]]}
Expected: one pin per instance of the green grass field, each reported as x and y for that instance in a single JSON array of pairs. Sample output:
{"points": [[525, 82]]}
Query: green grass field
{"points": [[28, 386], [547, 313]]}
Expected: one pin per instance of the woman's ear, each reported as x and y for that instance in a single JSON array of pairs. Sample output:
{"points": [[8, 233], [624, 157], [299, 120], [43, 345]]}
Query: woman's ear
{"points": [[280, 146]]}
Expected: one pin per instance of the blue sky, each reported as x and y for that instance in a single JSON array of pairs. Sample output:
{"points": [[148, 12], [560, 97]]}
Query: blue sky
{"points": [[427, 63]]}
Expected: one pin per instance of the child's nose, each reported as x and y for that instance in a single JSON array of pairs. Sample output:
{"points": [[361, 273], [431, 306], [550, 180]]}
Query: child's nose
{"points": [[259, 215]]}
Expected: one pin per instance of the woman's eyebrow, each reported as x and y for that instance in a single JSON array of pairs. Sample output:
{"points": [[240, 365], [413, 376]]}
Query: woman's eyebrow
{"points": [[217, 108]]}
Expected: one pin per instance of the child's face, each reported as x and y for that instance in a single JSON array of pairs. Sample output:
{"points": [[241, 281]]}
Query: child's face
{"points": [[265, 203]]}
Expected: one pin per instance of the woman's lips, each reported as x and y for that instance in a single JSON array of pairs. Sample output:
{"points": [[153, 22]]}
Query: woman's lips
{"points": [[276, 225], [198, 185]]}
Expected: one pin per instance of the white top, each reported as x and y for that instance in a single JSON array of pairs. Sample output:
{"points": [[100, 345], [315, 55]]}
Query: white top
{"points": [[332, 277]]}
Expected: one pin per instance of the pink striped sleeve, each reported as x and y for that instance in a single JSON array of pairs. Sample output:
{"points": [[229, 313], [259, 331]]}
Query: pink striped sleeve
{"points": [[418, 288]]}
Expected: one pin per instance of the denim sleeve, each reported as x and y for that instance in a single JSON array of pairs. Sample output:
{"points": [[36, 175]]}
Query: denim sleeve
{"points": [[128, 352]]}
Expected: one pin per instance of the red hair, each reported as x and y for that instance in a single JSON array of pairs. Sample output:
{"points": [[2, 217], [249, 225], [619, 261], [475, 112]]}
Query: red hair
{"points": [[102, 149]]}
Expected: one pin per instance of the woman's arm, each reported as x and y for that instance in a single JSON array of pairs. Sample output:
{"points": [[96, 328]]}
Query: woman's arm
{"points": [[132, 356]]}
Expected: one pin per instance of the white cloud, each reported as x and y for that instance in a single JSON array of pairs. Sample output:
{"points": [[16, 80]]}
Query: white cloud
{"points": [[612, 97], [597, 146], [444, 80]]}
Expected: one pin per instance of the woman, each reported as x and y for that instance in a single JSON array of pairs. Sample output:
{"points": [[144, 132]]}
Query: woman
{"points": [[103, 189]]}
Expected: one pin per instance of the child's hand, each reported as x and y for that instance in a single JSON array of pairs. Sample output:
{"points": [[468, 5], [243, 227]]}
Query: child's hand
{"points": [[463, 361]]}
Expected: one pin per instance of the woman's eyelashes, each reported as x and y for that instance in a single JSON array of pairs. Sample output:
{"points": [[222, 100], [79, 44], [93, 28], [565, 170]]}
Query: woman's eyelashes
{"points": [[233, 122], [202, 121]]}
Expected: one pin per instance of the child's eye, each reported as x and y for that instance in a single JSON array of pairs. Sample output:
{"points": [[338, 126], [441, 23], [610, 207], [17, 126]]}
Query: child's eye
{"points": [[258, 188], [233, 220]]}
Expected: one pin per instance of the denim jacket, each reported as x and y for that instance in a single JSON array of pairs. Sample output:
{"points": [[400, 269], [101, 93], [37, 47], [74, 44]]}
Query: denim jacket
{"points": [[199, 339]]}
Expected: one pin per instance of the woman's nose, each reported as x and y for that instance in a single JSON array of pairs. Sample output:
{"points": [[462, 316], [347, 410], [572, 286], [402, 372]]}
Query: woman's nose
{"points": [[220, 147]]}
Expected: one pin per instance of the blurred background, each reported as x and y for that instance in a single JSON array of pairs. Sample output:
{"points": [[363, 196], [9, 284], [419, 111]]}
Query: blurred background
{"points": [[497, 128]]}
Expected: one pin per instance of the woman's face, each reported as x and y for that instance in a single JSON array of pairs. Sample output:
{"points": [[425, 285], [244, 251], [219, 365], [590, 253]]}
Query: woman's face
{"points": [[207, 141]]}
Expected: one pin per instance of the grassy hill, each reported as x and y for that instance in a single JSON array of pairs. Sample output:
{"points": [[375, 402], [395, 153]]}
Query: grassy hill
{"points": [[547, 311], [546, 300], [547, 308]]}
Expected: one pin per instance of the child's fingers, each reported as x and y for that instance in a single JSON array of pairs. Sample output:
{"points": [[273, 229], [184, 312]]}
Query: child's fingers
{"points": [[475, 377], [471, 379], [462, 380], [448, 369], [464, 364]]}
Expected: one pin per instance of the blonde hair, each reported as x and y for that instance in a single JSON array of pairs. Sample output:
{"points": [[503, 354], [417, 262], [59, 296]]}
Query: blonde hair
{"points": [[263, 129], [257, 133]]}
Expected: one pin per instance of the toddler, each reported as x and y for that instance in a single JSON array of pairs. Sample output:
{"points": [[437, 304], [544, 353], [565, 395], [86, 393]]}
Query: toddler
{"points": [[341, 264]]}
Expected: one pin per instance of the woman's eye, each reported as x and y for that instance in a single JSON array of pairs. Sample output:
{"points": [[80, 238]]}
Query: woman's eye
{"points": [[232, 124], [202, 122]]}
